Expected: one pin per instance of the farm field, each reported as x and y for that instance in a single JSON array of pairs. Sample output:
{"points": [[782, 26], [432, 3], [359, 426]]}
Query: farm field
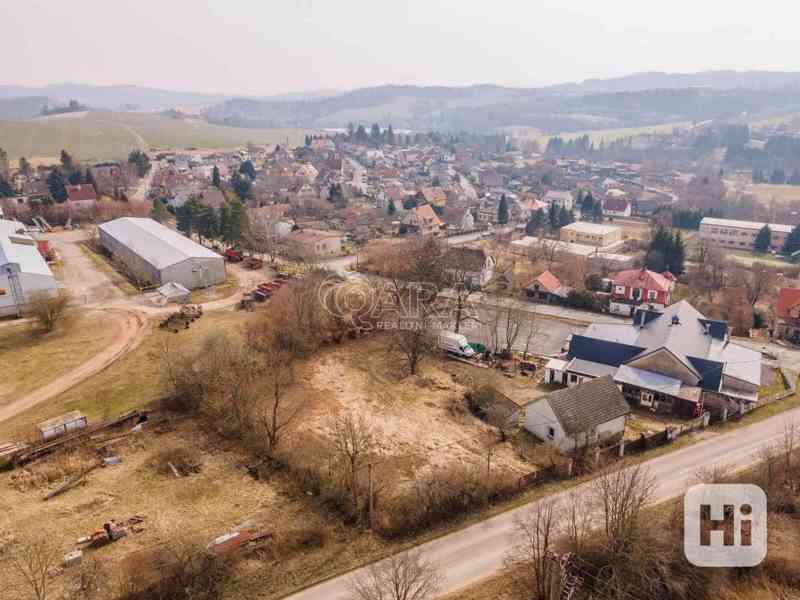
{"points": [[601, 135], [109, 135], [781, 194]]}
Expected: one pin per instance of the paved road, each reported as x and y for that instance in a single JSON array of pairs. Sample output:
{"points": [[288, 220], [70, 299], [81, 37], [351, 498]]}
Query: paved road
{"points": [[476, 552]]}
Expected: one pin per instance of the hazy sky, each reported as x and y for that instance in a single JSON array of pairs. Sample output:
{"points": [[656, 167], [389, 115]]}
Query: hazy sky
{"points": [[270, 46]]}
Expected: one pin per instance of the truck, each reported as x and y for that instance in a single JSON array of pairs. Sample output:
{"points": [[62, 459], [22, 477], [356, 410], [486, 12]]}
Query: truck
{"points": [[455, 343]]}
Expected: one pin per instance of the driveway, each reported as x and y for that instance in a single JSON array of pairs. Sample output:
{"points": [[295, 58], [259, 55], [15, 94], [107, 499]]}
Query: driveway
{"points": [[476, 552], [79, 275]]}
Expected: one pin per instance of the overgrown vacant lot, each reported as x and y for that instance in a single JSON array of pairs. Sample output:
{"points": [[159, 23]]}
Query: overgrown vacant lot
{"points": [[420, 421], [32, 359], [195, 508]]}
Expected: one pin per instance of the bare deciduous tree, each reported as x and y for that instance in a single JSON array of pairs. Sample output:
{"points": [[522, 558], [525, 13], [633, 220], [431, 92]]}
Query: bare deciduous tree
{"points": [[578, 521], [32, 560], [274, 413], [353, 439], [405, 576], [622, 495], [48, 309], [532, 554]]}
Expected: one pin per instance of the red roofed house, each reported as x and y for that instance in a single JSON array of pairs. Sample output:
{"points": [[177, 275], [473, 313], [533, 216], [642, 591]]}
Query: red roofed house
{"points": [[422, 220], [616, 206], [640, 286], [787, 313], [546, 288], [81, 196]]}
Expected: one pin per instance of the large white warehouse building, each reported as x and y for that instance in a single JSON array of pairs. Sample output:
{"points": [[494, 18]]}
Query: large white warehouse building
{"points": [[23, 270], [156, 254]]}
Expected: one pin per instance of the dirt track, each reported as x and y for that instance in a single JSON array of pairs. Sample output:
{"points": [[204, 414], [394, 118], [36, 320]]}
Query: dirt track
{"points": [[92, 290], [132, 328]]}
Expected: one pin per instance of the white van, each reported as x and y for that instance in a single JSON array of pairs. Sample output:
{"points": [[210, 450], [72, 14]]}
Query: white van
{"points": [[455, 343]]}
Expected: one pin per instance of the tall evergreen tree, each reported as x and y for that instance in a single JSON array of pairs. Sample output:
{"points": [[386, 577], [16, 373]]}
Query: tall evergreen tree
{"points": [[24, 166], [236, 224], [792, 243], [375, 134], [249, 169], [207, 222], [186, 216], [502, 210], [552, 216], [390, 138], [6, 191], [56, 185], [763, 240], [392, 209], [597, 212], [565, 217], [216, 180]]}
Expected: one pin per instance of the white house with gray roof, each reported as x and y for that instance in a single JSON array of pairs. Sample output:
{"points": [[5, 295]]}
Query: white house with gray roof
{"points": [[674, 360], [157, 255], [23, 271], [584, 415]]}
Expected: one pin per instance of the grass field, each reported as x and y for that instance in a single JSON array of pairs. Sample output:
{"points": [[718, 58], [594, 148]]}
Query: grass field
{"points": [[132, 382], [101, 135], [24, 351], [780, 194], [602, 135]]}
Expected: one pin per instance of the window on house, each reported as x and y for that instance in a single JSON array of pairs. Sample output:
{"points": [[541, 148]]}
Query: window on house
{"points": [[573, 378], [551, 433], [647, 398], [651, 294]]}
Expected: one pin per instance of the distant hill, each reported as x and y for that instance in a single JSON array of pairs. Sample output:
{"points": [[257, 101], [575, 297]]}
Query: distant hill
{"points": [[551, 110], [132, 97], [114, 97], [656, 80], [22, 108], [111, 135]]}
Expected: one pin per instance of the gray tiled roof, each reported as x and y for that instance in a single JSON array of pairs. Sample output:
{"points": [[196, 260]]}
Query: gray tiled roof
{"points": [[588, 405]]}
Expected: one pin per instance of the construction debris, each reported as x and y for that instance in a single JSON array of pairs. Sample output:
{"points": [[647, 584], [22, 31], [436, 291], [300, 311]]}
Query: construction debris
{"points": [[112, 531], [236, 540], [183, 318], [73, 559], [72, 482]]}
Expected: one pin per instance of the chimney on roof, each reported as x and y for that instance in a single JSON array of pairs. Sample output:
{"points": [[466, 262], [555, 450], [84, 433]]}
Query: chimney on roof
{"points": [[676, 320]]}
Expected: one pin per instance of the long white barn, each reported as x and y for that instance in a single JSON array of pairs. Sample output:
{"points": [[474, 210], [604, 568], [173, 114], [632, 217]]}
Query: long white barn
{"points": [[157, 255]]}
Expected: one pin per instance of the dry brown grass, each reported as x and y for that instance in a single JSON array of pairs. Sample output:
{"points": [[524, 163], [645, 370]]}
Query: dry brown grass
{"points": [[31, 358], [134, 381]]}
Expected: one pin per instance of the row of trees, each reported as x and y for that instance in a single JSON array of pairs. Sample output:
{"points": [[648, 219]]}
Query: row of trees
{"points": [[776, 177], [555, 218], [229, 223], [375, 137]]}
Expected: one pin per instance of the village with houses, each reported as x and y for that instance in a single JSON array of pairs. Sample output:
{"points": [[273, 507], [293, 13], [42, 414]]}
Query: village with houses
{"points": [[349, 321], [554, 315]]}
